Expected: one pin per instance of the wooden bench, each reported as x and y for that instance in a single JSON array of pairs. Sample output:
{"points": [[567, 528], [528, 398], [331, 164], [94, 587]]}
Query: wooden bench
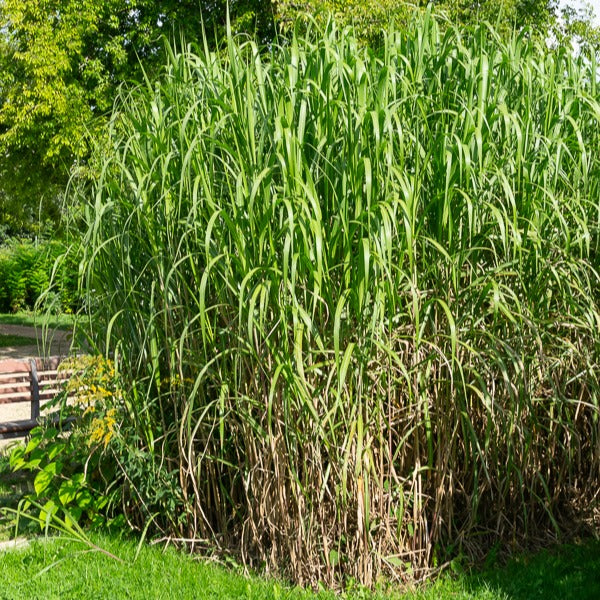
{"points": [[35, 382]]}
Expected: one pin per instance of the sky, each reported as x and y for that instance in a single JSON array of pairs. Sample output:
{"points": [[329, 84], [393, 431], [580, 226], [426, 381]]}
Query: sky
{"points": [[576, 3]]}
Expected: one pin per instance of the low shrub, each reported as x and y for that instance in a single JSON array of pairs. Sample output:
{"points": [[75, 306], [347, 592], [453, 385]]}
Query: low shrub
{"points": [[26, 272], [85, 453], [74, 475]]}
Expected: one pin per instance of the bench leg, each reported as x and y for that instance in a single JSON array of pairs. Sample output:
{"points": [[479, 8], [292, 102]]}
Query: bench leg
{"points": [[35, 391]]}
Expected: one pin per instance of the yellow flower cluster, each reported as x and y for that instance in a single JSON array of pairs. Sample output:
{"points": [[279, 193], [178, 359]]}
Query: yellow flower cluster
{"points": [[93, 381], [93, 386], [102, 428]]}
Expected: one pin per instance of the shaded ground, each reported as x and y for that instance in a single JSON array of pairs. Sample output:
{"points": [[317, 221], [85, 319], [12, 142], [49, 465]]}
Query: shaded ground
{"points": [[58, 342]]}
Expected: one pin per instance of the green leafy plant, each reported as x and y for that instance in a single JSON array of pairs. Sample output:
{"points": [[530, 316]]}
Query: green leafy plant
{"points": [[73, 470], [27, 270]]}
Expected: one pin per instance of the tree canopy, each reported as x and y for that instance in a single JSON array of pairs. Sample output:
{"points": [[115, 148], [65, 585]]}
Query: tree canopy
{"points": [[371, 15], [62, 62]]}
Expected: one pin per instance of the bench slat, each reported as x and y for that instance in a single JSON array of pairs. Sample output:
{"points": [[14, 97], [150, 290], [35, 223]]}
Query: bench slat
{"points": [[19, 375], [11, 386], [11, 426], [13, 429], [16, 397], [62, 373]]}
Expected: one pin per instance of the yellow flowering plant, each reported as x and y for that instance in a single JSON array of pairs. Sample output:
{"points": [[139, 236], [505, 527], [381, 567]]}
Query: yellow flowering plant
{"points": [[93, 387], [75, 472]]}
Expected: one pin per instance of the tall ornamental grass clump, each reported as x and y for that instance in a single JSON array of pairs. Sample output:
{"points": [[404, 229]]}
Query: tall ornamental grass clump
{"points": [[354, 297]]}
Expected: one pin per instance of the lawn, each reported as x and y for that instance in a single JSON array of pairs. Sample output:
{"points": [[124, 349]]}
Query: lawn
{"points": [[570, 571], [59, 568], [75, 572]]}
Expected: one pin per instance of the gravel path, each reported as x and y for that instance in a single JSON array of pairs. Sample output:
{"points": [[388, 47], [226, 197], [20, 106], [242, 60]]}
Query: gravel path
{"points": [[13, 544]]}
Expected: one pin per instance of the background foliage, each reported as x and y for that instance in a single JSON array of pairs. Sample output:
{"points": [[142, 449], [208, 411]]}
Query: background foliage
{"points": [[62, 64], [26, 270], [370, 17]]}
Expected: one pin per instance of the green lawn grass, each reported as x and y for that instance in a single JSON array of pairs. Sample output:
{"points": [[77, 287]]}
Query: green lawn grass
{"points": [[31, 319], [569, 571], [62, 568], [75, 572]]}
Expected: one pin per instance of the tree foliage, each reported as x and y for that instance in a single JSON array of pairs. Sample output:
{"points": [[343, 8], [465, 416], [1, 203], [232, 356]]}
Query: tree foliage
{"points": [[538, 15], [368, 17], [577, 28], [62, 63], [371, 16]]}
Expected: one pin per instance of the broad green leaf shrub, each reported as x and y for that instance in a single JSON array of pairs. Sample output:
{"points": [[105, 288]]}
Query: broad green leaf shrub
{"points": [[353, 298], [27, 270], [71, 452], [85, 452]]}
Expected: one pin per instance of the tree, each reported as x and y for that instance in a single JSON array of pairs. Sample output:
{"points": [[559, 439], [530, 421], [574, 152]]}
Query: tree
{"points": [[576, 27], [538, 15], [62, 62], [370, 16]]}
